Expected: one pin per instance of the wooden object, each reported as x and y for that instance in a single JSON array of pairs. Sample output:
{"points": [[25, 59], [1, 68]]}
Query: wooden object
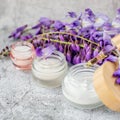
{"points": [[116, 41], [105, 86]]}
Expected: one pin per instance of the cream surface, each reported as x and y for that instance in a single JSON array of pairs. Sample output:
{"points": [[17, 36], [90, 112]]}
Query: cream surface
{"points": [[82, 92]]}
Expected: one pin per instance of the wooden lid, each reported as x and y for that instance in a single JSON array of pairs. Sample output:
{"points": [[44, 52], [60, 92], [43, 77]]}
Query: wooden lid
{"points": [[116, 41], [105, 86]]}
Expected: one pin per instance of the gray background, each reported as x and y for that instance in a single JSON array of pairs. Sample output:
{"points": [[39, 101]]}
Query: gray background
{"points": [[20, 97]]}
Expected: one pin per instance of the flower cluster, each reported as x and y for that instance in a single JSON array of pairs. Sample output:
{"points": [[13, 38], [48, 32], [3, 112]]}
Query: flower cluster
{"points": [[80, 40]]}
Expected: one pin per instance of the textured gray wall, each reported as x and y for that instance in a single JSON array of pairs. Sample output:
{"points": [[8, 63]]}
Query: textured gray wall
{"points": [[18, 12]]}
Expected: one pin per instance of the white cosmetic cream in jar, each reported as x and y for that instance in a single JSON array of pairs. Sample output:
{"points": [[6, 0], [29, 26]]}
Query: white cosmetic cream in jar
{"points": [[78, 87], [50, 71]]}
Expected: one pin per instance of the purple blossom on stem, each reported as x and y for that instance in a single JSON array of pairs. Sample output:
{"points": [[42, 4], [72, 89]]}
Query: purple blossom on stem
{"points": [[118, 81], [58, 25], [72, 14], [108, 48], [39, 51], [116, 21], [100, 20], [18, 32], [46, 52], [112, 58], [68, 57], [118, 12], [36, 26], [45, 21], [26, 37], [117, 73], [75, 23]]}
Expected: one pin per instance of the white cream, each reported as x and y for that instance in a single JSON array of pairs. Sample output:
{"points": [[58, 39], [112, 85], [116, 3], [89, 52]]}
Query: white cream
{"points": [[50, 71], [78, 86], [81, 94], [47, 70], [23, 52]]}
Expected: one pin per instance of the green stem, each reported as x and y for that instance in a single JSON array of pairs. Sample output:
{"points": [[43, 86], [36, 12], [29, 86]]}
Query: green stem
{"points": [[71, 35]]}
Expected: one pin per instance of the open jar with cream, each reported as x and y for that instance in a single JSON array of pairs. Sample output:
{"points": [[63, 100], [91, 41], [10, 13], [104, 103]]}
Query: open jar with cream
{"points": [[22, 55], [50, 71], [78, 87]]}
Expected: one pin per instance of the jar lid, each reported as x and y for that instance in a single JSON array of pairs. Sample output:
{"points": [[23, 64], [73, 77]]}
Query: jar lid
{"points": [[105, 86], [116, 41]]}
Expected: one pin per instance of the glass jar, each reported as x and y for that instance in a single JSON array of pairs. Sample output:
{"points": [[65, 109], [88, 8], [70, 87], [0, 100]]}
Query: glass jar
{"points": [[22, 55], [78, 87], [50, 71]]}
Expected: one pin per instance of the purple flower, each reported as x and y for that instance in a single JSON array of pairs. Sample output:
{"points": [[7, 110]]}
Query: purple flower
{"points": [[101, 19], [112, 58], [116, 22], [118, 81], [45, 21], [106, 39], [86, 22], [46, 52], [96, 35], [26, 37], [88, 55], [72, 14], [107, 26], [108, 48], [68, 57], [61, 48], [61, 37], [75, 23], [36, 26], [118, 12], [38, 51], [78, 59], [58, 25], [117, 73], [74, 59], [89, 13], [38, 31], [113, 31], [21, 28], [95, 53], [18, 32], [17, 35], [87, 18]]}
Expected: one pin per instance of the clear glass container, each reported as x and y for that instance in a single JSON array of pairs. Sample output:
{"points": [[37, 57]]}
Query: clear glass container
{"points": [[49, 72], [78, 87], [22, 55]]}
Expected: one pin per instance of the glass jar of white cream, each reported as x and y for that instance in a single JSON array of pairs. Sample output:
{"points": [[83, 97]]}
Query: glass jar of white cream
{"points": [[50, 71], [78, 87]]}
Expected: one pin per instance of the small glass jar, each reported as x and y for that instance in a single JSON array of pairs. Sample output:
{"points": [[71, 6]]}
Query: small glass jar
{"points": [[50, 71], [78, 87], [22, 55]]}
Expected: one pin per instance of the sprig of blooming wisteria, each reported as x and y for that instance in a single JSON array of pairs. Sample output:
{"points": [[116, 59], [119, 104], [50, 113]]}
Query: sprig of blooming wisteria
{"points": [[80, 40]]}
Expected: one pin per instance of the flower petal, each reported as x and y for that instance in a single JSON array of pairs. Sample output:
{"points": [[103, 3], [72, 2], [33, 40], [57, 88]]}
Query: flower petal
{"points": [[112, 58], [108, 48], [72, 14], [118, 81], [117, 73], [38, 51], [46, 52]]}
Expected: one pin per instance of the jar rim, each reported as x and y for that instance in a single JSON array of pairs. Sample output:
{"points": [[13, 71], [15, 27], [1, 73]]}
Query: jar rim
{"points": [[57, 55], [79, 69], [20, 44]]}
